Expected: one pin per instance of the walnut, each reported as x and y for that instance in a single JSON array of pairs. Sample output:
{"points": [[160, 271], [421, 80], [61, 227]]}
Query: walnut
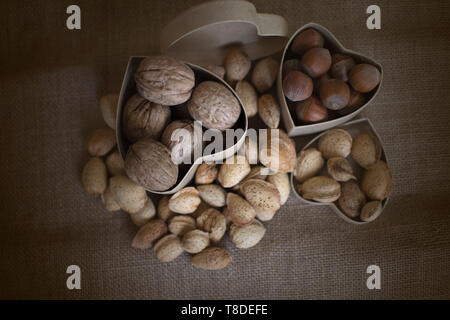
{"points": [[214, 106], [148, 163], [144, 119], [164, 80]]}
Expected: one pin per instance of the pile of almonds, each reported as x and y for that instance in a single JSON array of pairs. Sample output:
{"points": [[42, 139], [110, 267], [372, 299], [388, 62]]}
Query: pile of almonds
{"points": [[361, 202], [321, 85]]}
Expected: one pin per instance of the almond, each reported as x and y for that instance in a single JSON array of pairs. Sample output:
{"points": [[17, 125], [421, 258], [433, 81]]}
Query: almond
{"points": [[371, 211], [114, 163], [233, 171], [340, 169], [149, 233], [206, 173], [212, 194], [101, 142], [94, 176], [278, 153], [168, 248], [281, 181], [264, 74], [195, 241], [352, 199], [109, 201], [144, 215], [248, 96], [309, 163], [108, 108], [247, 236], [164, 213], [214, 222], [321, 189], [366, 149], [212, 258], [335, 143], [377, 181], [239, 210], [269, 110], [185, 201], [180, 225], [262, 195], [130, 196]]}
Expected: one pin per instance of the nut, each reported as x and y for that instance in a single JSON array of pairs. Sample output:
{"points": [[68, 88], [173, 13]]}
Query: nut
{"points": [[335, 143], [108, 108], [206, 173], [149, 233], [114, 163], [352, 199], [144, 215], [269, 110], [239, 210], [251, 149], [233, 171], [217, 70], [321, 189], [182, 140], [212, 194], [311, 110], [291, 65], [144, 119], [214, 106], [164, 212], [264, 74], [214, 222], [168, 248], [200, 209], [108, 200], [180, 225], [306, 40], [340, 169], [164, 80], [101, 142], [94, 176], [341, 66], [377, 181], [309, 163], [278, 153], [211, 258], [364, 77], [357, 100], [262, 195], [185, 201], [148, 162], [334, 94], [248, 97], [316, 62], [297, 86], [247, 236], [195, 241], [237, 65], [371, 211], [265, 216], [130, 196], [257, 172], [366, 149], [281, 181]]}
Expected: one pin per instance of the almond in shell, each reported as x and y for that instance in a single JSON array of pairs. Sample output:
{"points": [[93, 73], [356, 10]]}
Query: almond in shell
{"points": [[212, 258]]}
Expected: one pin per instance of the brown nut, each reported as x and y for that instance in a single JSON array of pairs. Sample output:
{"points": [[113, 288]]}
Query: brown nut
{"points": [[247, 236], [195, 241], [281, 181], [213, 222], [297, 86], [164, 213], [217, 70], [233, 171], [211, 258], [101, 142], [130, 196], [364, 77], [149, 233], [206, 173], [203, 206], [148, 163], [94, 176], [214, 106], [164, 80], [340, 169], [262, 195], [341, 66], [257, 172], [144, 119], [321, 189], [168, 248], [306, 40], [334, 94], [185, 201], [144, 215], [180, 225], [269, 110], [182, 140], [291, 65], [352, 199], [237, 65], [239, 210], [114, 163], [248, 96], [357, 100], [108, 108], [366, 149], [108, 200], [311, 110], [316, 62], [371, 211], [377, 181], [212, 194], [264, 74], [335, 143], [278, 153], [309, 163], [251, 149]]}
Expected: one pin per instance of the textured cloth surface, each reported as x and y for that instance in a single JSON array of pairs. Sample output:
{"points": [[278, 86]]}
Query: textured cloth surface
{"points": [[50, 82]]}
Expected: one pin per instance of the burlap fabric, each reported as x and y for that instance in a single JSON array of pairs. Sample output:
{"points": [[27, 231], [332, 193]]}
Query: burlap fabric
{"points": [[50, 82]]}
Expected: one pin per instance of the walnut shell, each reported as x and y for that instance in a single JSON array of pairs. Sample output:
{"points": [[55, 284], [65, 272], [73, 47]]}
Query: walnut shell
{"points": [[164, 80], [237, 64], [148, 163], [366, 149], [352, 199], [214, 106], [377, 181], [248, 96], [269, 110], [335, 143], [309, 163], [321, 189], [144, 119], [264, 74]]}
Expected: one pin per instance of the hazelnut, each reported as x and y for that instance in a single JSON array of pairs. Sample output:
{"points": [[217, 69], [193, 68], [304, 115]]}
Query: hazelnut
{"points": [[291, 65], [334, 94], [340, 169], [366, 149], [316, 62], [364, 77], [306, 40], [377, 181], [311, 110], [269, 110], [248, 96], [352, 199], [148, 163], [321, 189], [309, 163], [357, 100], [164, 80], [214, 106], [297, 86], [264, 74], [335, 143], [341, 66], [237, 65]]}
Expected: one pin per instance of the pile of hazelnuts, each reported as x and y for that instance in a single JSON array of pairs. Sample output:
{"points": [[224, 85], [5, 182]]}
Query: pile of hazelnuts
{"points": [[321, 85]]}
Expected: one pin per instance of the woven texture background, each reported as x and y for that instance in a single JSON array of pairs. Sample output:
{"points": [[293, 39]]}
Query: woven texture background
{"points": [[51, 79]]}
